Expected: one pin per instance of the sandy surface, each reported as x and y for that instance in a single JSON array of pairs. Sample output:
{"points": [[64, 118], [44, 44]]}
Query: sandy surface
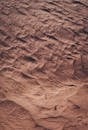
{"points": [[43, 64]]}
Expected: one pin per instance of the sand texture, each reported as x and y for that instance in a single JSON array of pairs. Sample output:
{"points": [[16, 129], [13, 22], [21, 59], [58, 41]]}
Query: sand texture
{"points": [[43, 64]]}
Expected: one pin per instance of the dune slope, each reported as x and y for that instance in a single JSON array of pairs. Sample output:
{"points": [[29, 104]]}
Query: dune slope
{"points": [[43, 65]]}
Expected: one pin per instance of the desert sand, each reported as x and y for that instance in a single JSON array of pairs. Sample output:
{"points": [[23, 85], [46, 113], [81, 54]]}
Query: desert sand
{"points": [[43, 64]]}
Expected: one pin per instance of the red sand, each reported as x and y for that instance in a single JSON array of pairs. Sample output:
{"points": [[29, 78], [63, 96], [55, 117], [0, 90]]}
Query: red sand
{"points": [[43, 64]]}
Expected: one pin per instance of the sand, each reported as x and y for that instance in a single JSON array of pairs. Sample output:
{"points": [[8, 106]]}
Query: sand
{"points": [[43, 65]]}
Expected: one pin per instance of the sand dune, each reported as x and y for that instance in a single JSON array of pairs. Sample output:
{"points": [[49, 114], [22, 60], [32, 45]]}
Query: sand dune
{"points": [[43, 65]]}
